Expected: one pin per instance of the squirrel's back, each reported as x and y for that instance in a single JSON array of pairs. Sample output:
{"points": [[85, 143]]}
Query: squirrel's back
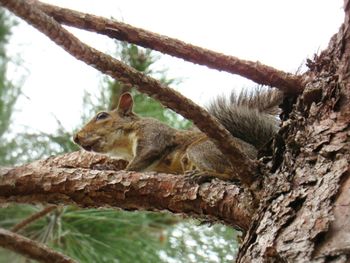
{"points": [[250, 116]]}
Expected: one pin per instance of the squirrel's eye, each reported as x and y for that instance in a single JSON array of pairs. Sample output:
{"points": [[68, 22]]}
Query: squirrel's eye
{"points": [[102, 116]]}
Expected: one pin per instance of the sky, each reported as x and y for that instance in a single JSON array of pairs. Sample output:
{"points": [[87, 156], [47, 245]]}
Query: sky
{"points": [[279, 33]]}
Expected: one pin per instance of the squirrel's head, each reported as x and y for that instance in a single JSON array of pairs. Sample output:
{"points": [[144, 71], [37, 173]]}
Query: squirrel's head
{"points": [[104, 132]]}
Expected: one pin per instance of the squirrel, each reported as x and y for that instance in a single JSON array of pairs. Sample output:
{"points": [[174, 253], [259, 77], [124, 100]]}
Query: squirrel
{"points": [[150, 145]]}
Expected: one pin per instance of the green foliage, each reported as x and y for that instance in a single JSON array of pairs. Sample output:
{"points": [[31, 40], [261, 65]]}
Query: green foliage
{"points": [[122, 236], [28, 145], [32, 145], [96, 235], [106, 235], [6, 22], [136, 57], [8, 92]]}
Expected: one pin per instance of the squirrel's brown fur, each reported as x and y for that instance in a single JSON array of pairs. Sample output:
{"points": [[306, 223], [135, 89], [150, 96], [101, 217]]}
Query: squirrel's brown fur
{"points": [[150, 145]]}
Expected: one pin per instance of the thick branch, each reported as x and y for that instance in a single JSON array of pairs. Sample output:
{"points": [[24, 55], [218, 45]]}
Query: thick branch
{"points": [[45, 182], [31, 248], [255, 71], [244, 168]]}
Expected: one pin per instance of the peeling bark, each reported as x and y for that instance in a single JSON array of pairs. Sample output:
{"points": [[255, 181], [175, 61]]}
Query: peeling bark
{"points": [[50, 181]]}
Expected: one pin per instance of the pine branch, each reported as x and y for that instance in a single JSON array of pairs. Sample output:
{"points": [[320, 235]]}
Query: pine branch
{"points": [[50, 181], [244, 168], [255, 71], [32, 218], [30, 248]]}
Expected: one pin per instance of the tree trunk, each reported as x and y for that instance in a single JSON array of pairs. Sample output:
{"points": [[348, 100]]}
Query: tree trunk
{"points": [[305, 217]]}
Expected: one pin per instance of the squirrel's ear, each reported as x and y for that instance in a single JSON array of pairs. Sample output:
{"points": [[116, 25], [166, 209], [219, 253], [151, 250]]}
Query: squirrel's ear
{"points": [[126, 104]]}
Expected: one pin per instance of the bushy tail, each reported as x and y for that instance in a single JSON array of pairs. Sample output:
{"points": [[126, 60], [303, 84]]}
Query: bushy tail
{"points": [[250, 115]]}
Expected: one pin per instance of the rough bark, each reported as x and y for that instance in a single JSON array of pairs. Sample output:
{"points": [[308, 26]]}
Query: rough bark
{"points": [[244, 168], [305, 216], [31, 249], [255, 71], [74, 179]]}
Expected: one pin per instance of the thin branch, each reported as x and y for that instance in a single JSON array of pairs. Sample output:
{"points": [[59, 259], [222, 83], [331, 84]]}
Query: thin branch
{"points": [[46, 182], [33, 218], [255, 71], [30, 248], [244, 168]]}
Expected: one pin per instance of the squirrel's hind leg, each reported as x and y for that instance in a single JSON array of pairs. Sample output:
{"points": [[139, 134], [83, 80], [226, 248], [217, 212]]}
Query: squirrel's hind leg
{"points": [[205, 160]]}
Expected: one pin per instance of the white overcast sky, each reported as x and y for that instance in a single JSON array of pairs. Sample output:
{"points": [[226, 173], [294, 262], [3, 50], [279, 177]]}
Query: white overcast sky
{"points": [[279, 33]]}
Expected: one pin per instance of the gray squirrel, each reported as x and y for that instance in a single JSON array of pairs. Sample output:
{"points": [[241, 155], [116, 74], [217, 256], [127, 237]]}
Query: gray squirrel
{"points": [[150, 145]]}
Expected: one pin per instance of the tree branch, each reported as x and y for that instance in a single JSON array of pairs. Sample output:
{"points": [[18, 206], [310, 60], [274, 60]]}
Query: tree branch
{"points": [[255, 71], [31, 248], [33, 218], [245, 169], [50, 181]]}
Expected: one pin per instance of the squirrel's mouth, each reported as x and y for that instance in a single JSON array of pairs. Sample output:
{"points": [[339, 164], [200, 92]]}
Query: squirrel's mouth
{"points": [[91, 147], [87, 148]]}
